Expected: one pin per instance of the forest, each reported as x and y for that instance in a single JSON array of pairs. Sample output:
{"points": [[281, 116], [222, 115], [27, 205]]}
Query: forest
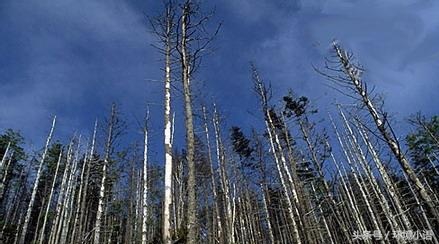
{"points": [[301, 175]]}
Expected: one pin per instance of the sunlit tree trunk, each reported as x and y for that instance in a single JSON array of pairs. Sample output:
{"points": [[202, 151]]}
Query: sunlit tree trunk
{"points": [[46, 214], [216, 221], [353, 74], [167, 35], [391, 188], [5, 156], [61, 195], [70, 197], [278, 157], [363, 191], [192, 226], [108, 145], [264, 188], [225, 185], [35, 186], [4, 176], [145, 189], [84, 190]]}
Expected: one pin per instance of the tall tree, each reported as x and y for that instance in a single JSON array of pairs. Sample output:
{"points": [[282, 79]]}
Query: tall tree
{"points": [[353, 79], [35, 186], [164, 28], [192, 43], [113, 131]]}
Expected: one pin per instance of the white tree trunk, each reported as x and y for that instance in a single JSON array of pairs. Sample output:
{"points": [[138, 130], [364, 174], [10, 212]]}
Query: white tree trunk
{"points": [[145, 188], [62, 192], [35, 187], [5, 176], [216, 216], [70, 197], [230, 234], [167, 203], [100, 211], [46, 214], [353, 75], [5, 155], [364, 191], [84, 189]]}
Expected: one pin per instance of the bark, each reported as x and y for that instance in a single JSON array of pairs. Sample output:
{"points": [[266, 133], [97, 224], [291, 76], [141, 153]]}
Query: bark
{"points": [[46, 214], [4, 178], [224, 179], [35, 186], [83, 191], [167, 203], [391, 188], [280, 163], [108, 145], [216, 216], [5, 155], [192, 226], [145, 191], [62, 192], [353, 74], [70, 197], [363, 162]]}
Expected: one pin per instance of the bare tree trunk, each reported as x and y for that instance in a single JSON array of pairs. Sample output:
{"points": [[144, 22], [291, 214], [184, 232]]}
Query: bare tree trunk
{"points": [[192, 226], [46, 214], [5, 155], [35, 188], [5, 175], [332, 204], [83, 193], [280, 164], [216, 221], [145, 189], [353, 75], [109, 142], [391, 188], [34, 240], [70, 197], [365, 193], [225, 185], [264, 188], [168, 27], [363, 162], [61, 195]]}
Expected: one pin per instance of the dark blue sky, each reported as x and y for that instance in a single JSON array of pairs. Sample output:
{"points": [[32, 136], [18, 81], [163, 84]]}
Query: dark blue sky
{"points": [[73, 58]]}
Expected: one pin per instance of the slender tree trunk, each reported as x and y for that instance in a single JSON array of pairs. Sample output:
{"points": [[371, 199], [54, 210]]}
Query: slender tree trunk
{"points": [[192, 226], [332, 204], [225, 185], [391, 188], [100, 211], [167, 203], [216, 216], [83, 193], [35, 188], [5, 155], [61, 195], [5, 175], [264, 188], [353, 75], [70, 197], [363, 190], [46, 214], [363, 162], [145, 189], [280, 163]]}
